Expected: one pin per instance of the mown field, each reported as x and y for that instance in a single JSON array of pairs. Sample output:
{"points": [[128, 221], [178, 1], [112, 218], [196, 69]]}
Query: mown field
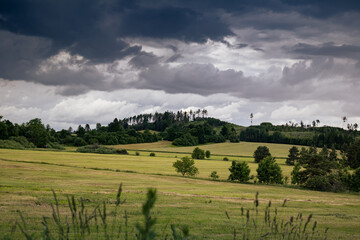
{"points": [[26, 179], [223, 149]]}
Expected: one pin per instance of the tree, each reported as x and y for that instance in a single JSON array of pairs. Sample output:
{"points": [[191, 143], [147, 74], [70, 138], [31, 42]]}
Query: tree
{"points": [[293, 156], [239, 172], [295, 174], [260, 153], [198, 153], [269, 171], [251, 117], [207, 154], [319, 170], [186, 166], [352, 154], [214, 175], [36, 132]]}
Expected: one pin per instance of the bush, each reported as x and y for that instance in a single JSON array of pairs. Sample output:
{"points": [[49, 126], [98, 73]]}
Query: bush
{"points": [[207, 154], [152, 154], [96, 149], [186, 166], [269, 171], [23, 141], [79, 142], [137, 154], [260, 153], [225, 159], [10, 144], [198, 153], [55, 145], [121, 151], [214, 175], [239, 172]]}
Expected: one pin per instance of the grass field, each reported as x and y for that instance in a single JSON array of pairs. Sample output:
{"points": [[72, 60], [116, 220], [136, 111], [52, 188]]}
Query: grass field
{"points": [[27, 177], [223, 149]]}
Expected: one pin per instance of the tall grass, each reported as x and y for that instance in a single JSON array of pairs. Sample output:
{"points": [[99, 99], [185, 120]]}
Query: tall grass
{"points": [[106, 221]]}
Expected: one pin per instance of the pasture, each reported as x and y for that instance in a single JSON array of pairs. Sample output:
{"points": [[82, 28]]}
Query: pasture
{"points": [[27, 177]]}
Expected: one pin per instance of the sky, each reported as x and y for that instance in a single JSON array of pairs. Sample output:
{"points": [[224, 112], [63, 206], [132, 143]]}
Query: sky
{"points": [[85, 61]]}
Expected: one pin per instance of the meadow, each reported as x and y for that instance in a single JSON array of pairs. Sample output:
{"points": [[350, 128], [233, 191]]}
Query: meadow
{"points": [[27, 176]]}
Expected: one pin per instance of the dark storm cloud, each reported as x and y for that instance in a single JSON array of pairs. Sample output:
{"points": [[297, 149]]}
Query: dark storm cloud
{"points": [[99, 31]]}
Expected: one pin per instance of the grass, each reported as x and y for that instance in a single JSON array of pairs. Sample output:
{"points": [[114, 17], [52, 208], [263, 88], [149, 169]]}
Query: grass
{"points": [[26, 179], [245, 149]]}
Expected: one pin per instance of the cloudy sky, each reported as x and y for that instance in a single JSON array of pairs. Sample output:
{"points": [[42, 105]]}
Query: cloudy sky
{"points": [[85, 61]]}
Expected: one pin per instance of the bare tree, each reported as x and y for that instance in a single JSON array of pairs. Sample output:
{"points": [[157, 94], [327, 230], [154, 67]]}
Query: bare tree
{"points": [[251, 117]]}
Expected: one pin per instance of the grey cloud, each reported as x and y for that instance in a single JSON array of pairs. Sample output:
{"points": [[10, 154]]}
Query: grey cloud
{"points": [[202, 79], [21, 54], [144, 59], [327, 49], [174, 57]]}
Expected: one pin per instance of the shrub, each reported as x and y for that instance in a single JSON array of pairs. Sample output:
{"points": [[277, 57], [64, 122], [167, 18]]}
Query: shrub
{"points": [[198, 153], [186, 166], [269, 171], [152, 154], [207, 154], [225, 159], [10, 144], [96, 149], [239, 172], [121, 151], [260, 153], [79, 142], [23, 141], [214, 175], [137, 154], [55, 145]]}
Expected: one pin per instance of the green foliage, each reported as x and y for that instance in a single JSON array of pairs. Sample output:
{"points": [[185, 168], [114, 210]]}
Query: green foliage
{"points": [[96, 149], [186, 140], [295, 174], [121, 151], [269, 171], [198, 153], [147, 232], [10, 144], [225, 159], [207, 154], [186, 166], [214, 175], [239, 171], [55, 145], [353, 181], [260, 153], [293, 156], [79, 142], [36, 132], [152, 154], [23, 141], [352, 153], [318, 169]]}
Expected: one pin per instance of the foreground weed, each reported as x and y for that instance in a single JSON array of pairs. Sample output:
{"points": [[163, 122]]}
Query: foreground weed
{"points": [[269, 227]]}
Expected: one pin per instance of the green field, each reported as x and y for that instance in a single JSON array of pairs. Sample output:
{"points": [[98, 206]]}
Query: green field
{"points": [[27, 177], [236, 149]]}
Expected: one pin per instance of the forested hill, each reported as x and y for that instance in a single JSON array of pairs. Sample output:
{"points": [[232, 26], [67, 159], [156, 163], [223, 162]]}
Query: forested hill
{"points": [[183, 128]]}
